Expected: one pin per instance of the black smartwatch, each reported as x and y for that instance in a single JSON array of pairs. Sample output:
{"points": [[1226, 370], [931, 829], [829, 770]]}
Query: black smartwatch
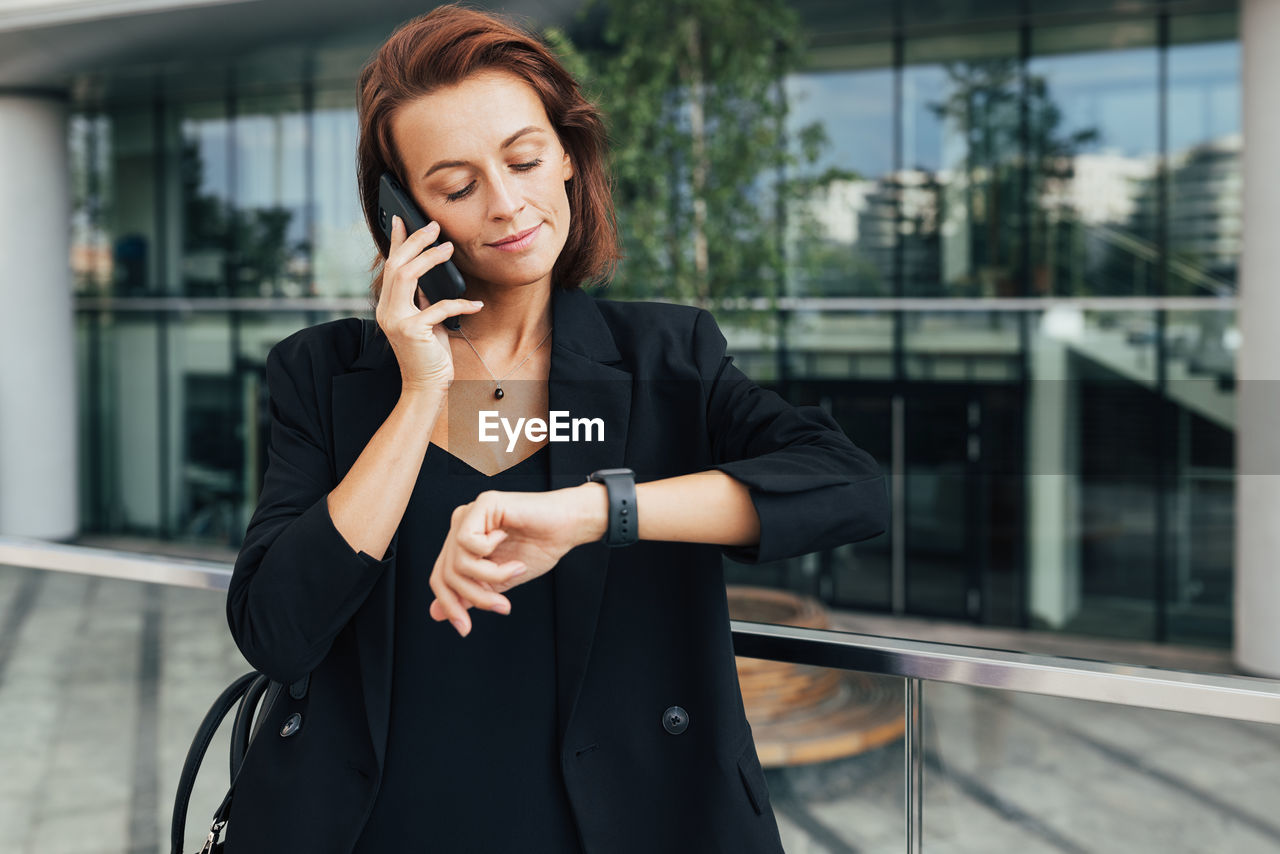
{"points": [[623, 528]]}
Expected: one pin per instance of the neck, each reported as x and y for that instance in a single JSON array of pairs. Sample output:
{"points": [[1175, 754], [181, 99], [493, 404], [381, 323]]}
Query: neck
{"points": [[513, 321]]}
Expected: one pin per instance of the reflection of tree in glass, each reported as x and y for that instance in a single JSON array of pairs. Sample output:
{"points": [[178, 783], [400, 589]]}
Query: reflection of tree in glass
{"points": [[985, 104], [252, 245], [691, 92]]}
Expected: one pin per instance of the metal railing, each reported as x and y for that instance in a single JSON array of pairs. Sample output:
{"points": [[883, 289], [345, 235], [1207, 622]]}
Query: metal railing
{"points": [[1240, 698], [110, 563]]}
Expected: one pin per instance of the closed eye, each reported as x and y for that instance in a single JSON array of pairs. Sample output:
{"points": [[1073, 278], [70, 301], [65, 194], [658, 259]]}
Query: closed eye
{"points": [[519, 167], [461, 194]]}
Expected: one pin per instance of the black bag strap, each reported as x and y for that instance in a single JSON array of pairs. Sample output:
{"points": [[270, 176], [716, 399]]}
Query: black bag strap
{"points": [[248, 690], [240, 734], [195, 754]]}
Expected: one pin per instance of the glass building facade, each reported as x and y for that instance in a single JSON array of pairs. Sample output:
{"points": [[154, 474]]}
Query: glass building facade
{"points": [[1018, 294]]}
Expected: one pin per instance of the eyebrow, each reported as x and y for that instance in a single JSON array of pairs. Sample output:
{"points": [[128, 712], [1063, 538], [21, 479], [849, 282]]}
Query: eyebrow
{"points": [[446, 164]]}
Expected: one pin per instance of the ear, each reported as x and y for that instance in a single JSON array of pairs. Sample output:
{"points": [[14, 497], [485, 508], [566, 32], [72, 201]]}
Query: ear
{"points": [[567, 167]]}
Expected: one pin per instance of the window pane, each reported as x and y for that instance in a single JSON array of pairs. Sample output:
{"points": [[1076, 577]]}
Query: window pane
{"points": [[1094, 146], [121, 193], [1204, 180], [89, 152], [270, 222], [205, 172], [842, 232], [1200, 364], [961, 174], [343, 245]]}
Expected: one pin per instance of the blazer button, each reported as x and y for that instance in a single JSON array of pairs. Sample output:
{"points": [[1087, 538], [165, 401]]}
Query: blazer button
{"points": [[292, 724], [675, 720]]}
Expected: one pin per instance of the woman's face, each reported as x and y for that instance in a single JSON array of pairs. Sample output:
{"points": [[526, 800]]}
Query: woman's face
{"points": [[482, 159]]}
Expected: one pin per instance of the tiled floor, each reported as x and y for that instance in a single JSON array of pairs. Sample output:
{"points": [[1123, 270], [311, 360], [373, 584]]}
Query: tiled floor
{"points": [[102, 683]]}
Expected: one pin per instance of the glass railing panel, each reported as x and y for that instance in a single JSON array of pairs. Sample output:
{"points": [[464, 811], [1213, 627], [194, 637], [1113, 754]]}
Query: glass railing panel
{"points": [[102, 685], [831, 744], [1016, 772]]}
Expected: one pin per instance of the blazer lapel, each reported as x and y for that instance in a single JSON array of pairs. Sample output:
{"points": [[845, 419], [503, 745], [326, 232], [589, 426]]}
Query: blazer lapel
{"points": [[582, 383]]}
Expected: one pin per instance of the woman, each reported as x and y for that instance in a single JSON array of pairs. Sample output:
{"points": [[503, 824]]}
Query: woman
{"points": [[470, 667]]}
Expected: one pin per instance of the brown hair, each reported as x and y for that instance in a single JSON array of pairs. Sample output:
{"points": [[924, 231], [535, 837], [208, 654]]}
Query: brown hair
{"points": [[445, 46]]}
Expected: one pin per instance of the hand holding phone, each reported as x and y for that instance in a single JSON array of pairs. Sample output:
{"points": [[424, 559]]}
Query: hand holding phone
{"points": [[441, 282]]}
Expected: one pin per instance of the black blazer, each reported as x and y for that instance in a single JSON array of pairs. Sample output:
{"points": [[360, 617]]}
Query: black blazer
{"points": [[639, 630]]}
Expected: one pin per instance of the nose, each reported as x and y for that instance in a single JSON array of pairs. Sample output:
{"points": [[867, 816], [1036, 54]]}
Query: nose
{"points": [[507, 200]]}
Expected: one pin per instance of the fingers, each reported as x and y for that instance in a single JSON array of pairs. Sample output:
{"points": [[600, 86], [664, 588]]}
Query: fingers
{"points": [[461, 581], [407, 246], [402, 270], [473, 579], [487, 572], [510, 570], [412, 267], [465, 587], [471, 538], [408, 259], [464, 574], [409, 256], [450, 603], [453, 609], [422, 325], [436, 312], [394, 290]]}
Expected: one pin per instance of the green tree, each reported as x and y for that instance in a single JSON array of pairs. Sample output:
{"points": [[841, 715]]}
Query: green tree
{"points": [[691, 90]]}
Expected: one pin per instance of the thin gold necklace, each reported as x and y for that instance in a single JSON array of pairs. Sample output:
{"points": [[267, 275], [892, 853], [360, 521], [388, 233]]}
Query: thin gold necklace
{"points": [[498, 393]]}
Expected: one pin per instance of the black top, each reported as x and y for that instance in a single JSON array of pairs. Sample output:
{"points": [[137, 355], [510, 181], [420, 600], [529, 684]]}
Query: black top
{"points": [[472, 763]]}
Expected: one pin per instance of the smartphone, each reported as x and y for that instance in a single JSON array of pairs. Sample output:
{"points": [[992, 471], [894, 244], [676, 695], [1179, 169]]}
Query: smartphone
{"points": [[443, 281]]}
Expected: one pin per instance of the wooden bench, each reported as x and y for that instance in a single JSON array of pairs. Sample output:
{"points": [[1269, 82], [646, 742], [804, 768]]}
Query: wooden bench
{"points": [[800, 713]]}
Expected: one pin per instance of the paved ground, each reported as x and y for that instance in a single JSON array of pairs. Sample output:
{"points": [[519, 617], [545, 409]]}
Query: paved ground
{"points": [[102, 683]]}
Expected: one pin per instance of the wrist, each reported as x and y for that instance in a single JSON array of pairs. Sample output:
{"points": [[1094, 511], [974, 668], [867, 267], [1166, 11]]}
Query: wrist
{"points": [[422, 400], [591, 511]]}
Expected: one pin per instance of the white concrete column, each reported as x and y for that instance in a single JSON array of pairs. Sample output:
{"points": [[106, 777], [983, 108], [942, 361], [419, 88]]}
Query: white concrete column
{"points": [[38, 418], [1257, 564]]}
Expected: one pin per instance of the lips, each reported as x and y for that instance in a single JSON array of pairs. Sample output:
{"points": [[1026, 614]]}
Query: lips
{"points": [[518, 240]]}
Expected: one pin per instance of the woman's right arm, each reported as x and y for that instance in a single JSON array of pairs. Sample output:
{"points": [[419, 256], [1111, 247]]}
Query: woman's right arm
{"points": [[313, 551], [366, 507], [298, 578]]}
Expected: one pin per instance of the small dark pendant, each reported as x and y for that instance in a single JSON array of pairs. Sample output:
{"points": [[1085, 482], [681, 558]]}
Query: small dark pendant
{"points": [[499, 393]]}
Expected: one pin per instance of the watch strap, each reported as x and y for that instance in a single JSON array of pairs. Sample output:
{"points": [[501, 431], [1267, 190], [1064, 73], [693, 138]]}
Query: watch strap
{"points": [[620, 484]]}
